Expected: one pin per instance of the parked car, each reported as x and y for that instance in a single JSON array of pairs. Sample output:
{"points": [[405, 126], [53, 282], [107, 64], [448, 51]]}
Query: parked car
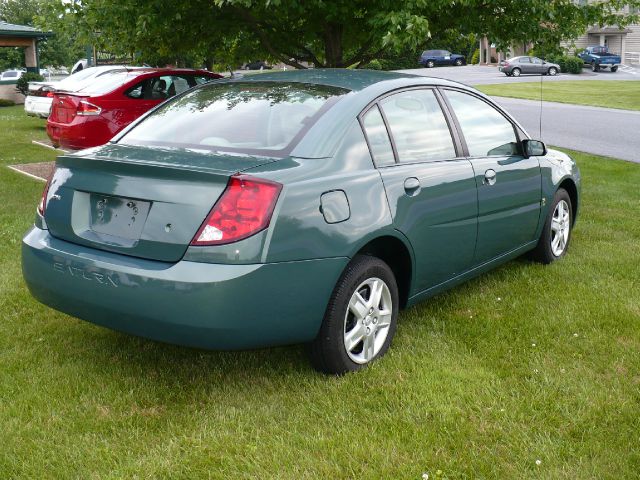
{"points": [[302, 206], [257, 65], [431, 58], [38, 102], [600, 57], [516, 66], [93, 114], [12, 75]]}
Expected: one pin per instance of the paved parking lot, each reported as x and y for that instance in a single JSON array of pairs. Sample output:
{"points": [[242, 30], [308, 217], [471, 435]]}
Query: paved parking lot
{"points": [[482, 75]]}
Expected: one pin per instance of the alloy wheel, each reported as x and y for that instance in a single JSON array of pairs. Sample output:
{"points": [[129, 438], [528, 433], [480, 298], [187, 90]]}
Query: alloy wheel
{"points": [[367, 320], [560, 227]]}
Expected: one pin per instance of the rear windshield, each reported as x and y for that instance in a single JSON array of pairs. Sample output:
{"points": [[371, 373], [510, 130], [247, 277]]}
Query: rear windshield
{"points": [[81, 78], [107, 82], [250, 117]]}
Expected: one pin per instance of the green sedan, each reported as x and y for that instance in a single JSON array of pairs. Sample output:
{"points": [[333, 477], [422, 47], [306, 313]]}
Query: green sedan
{"points": [[295, 207]]}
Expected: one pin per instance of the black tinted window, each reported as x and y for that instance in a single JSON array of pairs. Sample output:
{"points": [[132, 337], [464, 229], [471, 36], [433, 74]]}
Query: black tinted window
{"points": [[486, 131], [418, 126]]}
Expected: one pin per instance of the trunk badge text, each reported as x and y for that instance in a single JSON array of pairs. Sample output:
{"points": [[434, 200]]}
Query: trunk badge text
{"points": [[77, 272]]}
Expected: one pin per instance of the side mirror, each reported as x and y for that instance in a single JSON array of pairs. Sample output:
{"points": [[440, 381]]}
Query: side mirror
{"points": [[534, 148]]}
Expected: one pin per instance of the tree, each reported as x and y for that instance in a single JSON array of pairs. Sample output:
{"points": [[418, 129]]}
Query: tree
{"points": [[325, 33], [61, 49]]}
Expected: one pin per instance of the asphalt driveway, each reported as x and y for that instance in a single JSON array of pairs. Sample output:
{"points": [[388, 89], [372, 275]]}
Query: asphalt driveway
{"points": [[482, 75], [601, 131]]}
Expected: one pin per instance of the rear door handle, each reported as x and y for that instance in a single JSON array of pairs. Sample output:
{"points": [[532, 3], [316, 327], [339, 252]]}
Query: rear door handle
{"points": [[411, 185], [490, 177]]}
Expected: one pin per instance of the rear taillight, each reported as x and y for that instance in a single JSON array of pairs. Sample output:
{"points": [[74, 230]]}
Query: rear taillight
{"points": [[244, 209], [42, 206], [49, 95], [85, 108]]}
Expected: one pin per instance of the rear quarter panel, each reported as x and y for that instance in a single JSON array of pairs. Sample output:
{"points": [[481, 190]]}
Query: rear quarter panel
{"points": [[299, 230]]}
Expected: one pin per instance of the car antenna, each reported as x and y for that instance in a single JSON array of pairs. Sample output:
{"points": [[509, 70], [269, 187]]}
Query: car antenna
{"points": [[540, 125]]}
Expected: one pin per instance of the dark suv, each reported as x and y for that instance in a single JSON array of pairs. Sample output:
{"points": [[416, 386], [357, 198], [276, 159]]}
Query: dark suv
{"points": [[431, 58]]}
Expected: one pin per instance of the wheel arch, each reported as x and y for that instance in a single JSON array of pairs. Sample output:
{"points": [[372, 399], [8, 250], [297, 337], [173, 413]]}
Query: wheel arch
{"points": [[398, 254], [570, 186]]}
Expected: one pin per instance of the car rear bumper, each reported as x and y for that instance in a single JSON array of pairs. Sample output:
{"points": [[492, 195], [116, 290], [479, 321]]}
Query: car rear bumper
{"points": [[82, 132], [37, 106], [203, 305]]}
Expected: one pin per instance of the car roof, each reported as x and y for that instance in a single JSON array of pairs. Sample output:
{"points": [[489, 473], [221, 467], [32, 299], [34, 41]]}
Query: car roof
{"points": [[350, 79]]}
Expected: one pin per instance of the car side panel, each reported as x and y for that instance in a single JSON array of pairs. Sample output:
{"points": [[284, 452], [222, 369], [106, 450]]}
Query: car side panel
{"points": [[440, 219]]}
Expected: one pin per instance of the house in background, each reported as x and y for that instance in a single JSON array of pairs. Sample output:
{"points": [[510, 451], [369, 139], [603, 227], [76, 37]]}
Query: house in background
{"points": [[622, 41]]}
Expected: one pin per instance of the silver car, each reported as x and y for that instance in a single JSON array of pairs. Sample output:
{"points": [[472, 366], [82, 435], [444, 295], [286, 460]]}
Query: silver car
{"points": [[516, 66]]}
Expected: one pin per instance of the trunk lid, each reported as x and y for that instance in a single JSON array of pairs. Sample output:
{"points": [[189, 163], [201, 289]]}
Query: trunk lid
{"points": [[143, 202]]}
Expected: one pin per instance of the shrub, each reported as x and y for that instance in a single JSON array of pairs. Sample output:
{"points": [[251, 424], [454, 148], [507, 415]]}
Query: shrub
{"points": [[23, 82], [374, 65], [573, 64], [6, 103], [475, 58]]}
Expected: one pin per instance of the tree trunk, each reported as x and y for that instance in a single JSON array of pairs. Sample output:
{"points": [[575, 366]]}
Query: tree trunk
{"points": [[333, 45]]}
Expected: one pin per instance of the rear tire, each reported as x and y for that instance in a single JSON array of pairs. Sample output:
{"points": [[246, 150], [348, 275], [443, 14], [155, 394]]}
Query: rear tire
{"points": [[515, 72], [430, 64], [556, 233], [614, 69], [458, 62], [360, 320], [595, 67]]}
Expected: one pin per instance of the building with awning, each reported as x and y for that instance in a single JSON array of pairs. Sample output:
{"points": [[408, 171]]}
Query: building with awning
{"points": [[25, 37]]}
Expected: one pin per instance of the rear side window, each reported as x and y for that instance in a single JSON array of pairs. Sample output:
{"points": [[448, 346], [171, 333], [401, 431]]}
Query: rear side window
{"points": [[251, 117], [378, 137], [486, 131], [418, 126]]}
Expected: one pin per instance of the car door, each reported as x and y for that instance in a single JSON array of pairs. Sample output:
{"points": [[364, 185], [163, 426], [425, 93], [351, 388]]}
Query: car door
{"points": [[446, 57], [431, 190], [537, 65], [525, 65], [509, 185]]}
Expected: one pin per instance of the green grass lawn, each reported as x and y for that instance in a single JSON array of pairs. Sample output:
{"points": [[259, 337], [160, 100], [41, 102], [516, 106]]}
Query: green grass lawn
{"points": [[526, 372], [598, 93]]}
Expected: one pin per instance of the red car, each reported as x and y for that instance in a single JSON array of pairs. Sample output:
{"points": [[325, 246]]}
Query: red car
{"points": [[93, 115]]}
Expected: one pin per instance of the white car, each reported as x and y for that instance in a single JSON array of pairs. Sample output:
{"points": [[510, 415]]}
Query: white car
{"points": [[38, 102], [11, 75]]}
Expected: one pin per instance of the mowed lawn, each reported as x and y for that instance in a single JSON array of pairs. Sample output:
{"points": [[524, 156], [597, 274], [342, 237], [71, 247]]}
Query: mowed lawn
{"points": [[526, 372], [622, 94]]}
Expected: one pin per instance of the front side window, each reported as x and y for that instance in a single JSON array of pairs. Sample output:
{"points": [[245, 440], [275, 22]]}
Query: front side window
{"points": [[536, 60], [418, 126], [250, 117], [486, 131]]}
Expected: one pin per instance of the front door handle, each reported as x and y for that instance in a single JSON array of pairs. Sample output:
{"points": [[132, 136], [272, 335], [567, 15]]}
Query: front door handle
{"points": [[490, 177], [411, 186]]}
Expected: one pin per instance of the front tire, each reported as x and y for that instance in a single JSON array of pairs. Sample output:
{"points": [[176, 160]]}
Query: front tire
{"points": [[556, 233], [515, 72], [553, 71], [430, 64], [595, 67], [614, 69], [458, 62], [360, 320]]}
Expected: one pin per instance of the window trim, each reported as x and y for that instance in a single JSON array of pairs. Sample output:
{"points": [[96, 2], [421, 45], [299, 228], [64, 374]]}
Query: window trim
{"points": [[516, 129], [449, 119]]}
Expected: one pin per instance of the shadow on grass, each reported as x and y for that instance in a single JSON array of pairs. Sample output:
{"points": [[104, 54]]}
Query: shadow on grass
{"points": [[109, 354]]}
